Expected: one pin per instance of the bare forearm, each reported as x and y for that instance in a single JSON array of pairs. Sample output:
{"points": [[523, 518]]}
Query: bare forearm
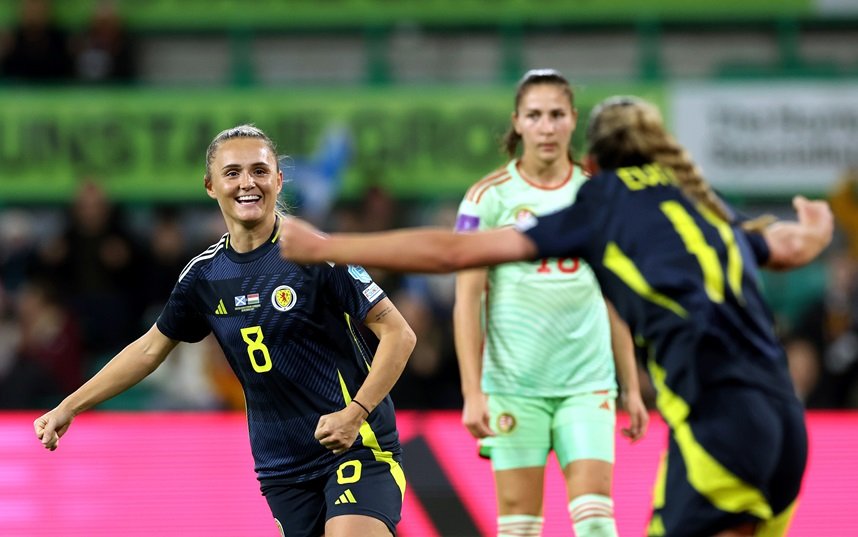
{"points": [[627, 371], [426, 249], [470, 360], [624, 352], [419, 250], [467, 329], [130, 366], [389, 361]]}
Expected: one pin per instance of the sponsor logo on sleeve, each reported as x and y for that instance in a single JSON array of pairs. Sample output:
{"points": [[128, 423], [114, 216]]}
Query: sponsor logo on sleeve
{"points": [[372, 292], [467, 222], [359, 273]]}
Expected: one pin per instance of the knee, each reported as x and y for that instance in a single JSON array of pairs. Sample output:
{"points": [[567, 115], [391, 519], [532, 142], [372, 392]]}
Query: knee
{"points": [[519, 502]]}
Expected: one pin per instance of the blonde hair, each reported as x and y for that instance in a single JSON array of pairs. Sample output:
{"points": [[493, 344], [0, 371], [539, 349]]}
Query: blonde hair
{"points": [[247, 130], [627, 131]]}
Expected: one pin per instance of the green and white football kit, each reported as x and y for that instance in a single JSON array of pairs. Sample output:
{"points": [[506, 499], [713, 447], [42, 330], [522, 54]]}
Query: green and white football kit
{"points": [[548, 368]]}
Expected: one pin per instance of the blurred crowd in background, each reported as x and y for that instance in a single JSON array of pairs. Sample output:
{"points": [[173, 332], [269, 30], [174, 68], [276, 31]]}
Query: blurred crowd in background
{"points": [[78, 283], [80, 280]]}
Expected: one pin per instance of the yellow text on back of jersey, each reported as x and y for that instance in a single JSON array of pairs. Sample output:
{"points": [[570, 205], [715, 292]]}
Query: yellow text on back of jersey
{"points": [[639, 178]]}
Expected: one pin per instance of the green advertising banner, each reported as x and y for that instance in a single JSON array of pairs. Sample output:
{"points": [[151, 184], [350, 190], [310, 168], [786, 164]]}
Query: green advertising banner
{"points": [[150, 145], [290, 14]]}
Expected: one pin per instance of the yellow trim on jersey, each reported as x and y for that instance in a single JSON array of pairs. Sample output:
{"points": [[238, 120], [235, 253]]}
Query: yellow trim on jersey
{"points": [[660, 481], [276, 230], [734, 257], [705, 474], [695, 243], [356, 340], [779, 525], [370, 441], [655, 528], [621, 265]]}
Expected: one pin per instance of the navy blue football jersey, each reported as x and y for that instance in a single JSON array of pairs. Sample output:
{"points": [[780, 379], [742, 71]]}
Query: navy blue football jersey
{"points": [[684, 280], [289, 333]]}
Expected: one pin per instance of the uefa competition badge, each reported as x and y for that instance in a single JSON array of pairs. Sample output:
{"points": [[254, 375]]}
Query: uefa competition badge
{"points": [[359, 273], [283, 298]]}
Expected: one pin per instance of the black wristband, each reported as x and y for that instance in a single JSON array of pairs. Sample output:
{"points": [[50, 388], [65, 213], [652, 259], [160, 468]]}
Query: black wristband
{"points": [[358, 403]]}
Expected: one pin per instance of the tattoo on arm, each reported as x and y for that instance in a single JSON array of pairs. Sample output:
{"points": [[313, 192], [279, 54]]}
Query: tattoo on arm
{"points": [[382, 314]]}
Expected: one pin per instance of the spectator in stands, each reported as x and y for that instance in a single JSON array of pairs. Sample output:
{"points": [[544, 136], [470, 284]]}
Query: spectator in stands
{"points": [[37, 51], [844, 205], [166, 255], [48, 355], [105, 52], [823, 347], [17, 248], [98, 259]]}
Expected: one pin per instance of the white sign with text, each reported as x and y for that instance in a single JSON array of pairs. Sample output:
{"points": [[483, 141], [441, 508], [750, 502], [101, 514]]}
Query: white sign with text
{"points": [[768, 138]]}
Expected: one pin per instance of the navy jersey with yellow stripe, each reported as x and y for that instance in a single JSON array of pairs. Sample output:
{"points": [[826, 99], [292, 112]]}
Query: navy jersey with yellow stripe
{"points": [[684, 280], [288, 333]]}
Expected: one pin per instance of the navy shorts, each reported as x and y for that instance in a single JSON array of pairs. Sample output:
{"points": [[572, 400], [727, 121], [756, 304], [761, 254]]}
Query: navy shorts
{"points": [[738, 458], [361, 485]]}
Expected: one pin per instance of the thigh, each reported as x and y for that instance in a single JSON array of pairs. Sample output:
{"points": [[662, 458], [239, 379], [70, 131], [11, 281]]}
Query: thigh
{"points": [[588, 476], [522, 427], [298, 508], [365, 487], [516, 491], [583, 427], [352, 525]]}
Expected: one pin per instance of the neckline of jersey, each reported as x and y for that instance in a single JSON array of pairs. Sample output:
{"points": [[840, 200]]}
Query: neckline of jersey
{"points": [[264, 248], [534, 184]]}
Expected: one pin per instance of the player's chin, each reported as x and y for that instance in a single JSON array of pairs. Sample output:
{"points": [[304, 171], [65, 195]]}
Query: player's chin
{"points": [[251, 214]]}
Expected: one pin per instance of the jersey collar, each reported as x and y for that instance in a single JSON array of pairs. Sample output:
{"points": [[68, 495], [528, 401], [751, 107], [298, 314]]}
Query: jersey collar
{"points": [[258, 252]]}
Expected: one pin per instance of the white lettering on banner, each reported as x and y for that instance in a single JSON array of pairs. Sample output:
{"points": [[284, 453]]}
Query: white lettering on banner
{"points": [[768, 138]]}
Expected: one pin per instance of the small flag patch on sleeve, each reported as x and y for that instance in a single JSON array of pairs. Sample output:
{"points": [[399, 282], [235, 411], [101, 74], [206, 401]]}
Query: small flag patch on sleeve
{"points": [[372, 292]]}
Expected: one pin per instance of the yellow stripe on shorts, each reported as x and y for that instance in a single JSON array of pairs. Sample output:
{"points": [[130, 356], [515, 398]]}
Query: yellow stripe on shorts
{"points": [[369, 440], [706, 475]]}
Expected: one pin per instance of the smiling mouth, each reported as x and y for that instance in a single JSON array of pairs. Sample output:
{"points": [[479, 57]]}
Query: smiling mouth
{"points": [[248, 199]]}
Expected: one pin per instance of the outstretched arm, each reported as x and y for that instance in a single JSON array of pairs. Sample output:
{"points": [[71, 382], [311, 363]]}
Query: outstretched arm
{"points": [[126, 369], [406, 250], [793, 244]]}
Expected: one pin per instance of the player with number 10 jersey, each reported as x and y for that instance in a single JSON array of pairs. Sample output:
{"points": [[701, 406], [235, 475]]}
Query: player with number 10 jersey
{"points": [[572, 353]]}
